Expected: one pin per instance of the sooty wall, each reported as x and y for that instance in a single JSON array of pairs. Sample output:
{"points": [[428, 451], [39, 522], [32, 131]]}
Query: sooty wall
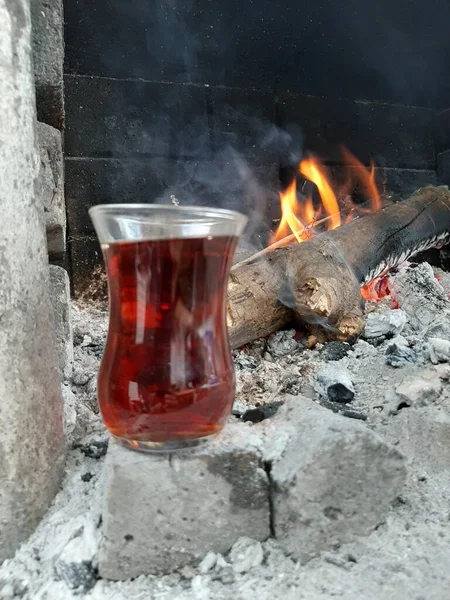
{"points": [[194, 98]]}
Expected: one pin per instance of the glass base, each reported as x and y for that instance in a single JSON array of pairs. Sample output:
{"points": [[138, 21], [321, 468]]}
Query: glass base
{"points": [[163, 447]]}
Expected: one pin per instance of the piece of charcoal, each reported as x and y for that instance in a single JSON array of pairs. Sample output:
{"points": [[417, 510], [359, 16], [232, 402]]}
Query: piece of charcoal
{"points": [[398, 355], [335, 350], [256, 415], [334, 382], [377, 341], [78, 576], [337, 392], [95, 449], [353, 414], [245, 361]]}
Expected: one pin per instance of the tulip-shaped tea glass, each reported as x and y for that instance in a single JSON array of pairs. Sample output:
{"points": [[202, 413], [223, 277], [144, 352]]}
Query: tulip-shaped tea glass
{"points": [[166, 380]]}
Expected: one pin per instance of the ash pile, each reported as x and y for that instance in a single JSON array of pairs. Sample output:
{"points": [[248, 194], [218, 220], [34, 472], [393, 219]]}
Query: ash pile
{"points": [[351, 444]]}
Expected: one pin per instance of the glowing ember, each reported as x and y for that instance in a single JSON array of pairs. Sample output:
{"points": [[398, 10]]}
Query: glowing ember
{"points": [[376, 289]]}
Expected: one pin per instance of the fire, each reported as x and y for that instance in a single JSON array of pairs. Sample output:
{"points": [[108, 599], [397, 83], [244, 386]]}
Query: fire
{"points": [[304, 220], [290, 223], [301, 218], [315, 172]]}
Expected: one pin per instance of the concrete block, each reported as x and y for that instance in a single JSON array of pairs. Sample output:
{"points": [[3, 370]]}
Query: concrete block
{"points": [[423, 435], [334, 479], [60, 298], [318, 478], [32, 441], [51, 187], [48, 59], [162, 513]]}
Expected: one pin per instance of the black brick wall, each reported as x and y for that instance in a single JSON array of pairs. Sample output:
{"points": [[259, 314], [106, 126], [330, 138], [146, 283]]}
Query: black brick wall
{"points": [[154, 95]]}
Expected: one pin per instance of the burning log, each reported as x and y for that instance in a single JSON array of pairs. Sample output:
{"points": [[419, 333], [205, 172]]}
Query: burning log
{"points": [[318, 281]]}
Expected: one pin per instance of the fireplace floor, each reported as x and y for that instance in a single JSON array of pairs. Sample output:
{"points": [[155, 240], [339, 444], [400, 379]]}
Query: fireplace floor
{"points": [[395, 382]]}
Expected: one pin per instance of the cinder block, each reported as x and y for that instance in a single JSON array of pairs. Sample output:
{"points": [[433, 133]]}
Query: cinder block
{"points": [[334, 480], [51, 189], [48, 59], [165, 512], [60, 298]]}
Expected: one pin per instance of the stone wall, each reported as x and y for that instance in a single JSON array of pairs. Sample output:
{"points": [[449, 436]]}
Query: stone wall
{"points": [[48, 61], [32, 441]]}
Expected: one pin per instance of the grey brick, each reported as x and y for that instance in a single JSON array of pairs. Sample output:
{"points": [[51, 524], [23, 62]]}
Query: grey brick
{"points": [[60, 298], [48, 58], [51, 188]]}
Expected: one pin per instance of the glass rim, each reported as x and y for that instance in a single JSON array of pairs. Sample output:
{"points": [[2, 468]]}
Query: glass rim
{"points": [[202, 211]]}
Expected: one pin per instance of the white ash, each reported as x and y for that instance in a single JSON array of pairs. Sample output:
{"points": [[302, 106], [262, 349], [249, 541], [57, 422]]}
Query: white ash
{"points": [[282, 343], [208, 563], [421, 296], [390, 322], [407, 557], [246, 554], [399, 353], [439, 350], [420, 390]]}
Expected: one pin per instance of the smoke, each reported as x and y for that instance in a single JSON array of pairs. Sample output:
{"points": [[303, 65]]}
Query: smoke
{"points": [[227, 172]]}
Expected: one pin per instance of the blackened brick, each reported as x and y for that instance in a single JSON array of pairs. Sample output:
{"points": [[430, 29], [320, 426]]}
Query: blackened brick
{"points": [[392, 135], [227, 182], [244, 120], [443, 167], [111, 118]]}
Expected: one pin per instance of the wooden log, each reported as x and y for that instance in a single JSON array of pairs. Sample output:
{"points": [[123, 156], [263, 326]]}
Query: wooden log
{"points": [[318, 281]]}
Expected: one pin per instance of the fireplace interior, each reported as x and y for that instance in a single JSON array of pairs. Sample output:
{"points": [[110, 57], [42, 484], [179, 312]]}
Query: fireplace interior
{"points": [[216, 104], [331, 475]]}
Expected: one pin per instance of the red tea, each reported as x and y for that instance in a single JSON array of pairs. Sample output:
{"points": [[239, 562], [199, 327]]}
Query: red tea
{"points": [[167, 373]]}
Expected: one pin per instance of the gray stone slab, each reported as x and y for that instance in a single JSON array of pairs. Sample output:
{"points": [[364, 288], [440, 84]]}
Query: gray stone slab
{"points": [[165, 512], [60, 298], [51, 187], [48, 59], [32, 442], [334, 479]]}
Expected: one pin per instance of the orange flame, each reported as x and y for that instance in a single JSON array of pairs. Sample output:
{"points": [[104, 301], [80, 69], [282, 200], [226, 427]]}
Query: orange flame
{"points": [[289, 221], [364, 177], [301, 218], [312, 170]]}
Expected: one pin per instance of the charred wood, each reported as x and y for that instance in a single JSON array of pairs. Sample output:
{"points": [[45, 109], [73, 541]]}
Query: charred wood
{"points": [[318, 281]]}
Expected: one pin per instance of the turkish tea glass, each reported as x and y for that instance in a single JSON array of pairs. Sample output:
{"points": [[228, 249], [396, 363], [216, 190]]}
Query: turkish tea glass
{"points": [[166, 380]]}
